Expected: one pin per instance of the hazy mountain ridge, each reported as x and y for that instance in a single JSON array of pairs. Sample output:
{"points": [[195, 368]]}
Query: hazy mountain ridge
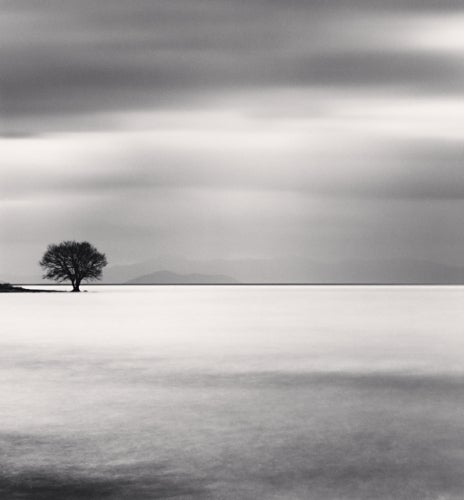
{"points": [[298, 270], [282, 270], [168, 277]]}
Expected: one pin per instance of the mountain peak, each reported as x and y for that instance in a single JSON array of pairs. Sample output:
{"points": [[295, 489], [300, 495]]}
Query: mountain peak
{"points": [[170, 278]]}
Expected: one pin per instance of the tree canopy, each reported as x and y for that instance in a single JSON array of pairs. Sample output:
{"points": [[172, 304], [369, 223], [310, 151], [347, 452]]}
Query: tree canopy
{"points": [[73, 261]]}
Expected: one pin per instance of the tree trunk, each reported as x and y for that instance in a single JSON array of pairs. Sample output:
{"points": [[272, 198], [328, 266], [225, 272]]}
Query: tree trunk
{"points": [[76, 287]]}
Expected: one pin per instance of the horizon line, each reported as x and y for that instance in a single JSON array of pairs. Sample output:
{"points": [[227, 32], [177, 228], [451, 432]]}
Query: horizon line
{"points": [[248, 284]]}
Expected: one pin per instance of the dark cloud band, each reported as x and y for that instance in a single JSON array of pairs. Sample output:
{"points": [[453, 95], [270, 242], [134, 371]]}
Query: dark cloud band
{"points": [[84, 57]]}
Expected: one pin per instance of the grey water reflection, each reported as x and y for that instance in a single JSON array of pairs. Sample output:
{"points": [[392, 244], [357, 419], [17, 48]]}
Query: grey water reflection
{"points": [[235, 393]]}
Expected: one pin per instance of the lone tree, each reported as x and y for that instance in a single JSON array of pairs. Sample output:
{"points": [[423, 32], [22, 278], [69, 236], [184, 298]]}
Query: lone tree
{"points": [[73, 261]]}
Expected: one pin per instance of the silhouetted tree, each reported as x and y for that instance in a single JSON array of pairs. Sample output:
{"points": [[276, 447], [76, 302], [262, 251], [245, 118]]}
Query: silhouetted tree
{"points": [[73, 261]]}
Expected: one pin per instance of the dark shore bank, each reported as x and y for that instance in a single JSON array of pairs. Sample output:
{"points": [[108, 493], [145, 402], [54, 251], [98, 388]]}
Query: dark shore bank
{"points": [[8, 288]]}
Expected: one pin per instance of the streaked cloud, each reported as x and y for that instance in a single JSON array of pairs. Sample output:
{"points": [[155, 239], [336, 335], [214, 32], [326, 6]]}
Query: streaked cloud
{"points": [[68, 58], [218, 127]]}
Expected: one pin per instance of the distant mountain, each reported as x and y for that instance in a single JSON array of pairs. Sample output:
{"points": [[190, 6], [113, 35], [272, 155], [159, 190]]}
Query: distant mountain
{"points": [[296, 270], [279, 270], [170, 278]]}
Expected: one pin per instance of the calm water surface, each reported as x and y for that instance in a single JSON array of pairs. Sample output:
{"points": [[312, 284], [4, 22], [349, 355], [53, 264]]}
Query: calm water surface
{"points": [[233, 393]]}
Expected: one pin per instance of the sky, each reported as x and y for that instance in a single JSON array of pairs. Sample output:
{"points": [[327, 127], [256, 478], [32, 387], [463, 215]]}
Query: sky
{"points": [[232, 129]]}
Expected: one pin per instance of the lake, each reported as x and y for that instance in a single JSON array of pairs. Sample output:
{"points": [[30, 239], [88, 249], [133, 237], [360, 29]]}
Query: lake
{"points": [[233, 392]]}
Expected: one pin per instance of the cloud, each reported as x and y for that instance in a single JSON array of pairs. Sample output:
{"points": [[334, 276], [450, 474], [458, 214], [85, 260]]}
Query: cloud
{"points": [[418, 72], [75, 60], [218, 126], [130, 165]]}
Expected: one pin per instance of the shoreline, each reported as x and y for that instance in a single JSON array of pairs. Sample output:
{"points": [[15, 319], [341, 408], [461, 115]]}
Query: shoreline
{"points": [[7, 288]]}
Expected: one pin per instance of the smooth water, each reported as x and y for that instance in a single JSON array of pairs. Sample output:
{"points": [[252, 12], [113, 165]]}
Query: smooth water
{"points": [[234, 392]]}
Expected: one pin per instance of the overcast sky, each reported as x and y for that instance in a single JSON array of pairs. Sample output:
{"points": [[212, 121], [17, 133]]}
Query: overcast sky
{"points": [[232, 128]]}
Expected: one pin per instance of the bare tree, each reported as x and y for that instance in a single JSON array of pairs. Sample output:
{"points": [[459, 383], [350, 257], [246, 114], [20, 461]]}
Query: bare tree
{"points": [[73, 261]]}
